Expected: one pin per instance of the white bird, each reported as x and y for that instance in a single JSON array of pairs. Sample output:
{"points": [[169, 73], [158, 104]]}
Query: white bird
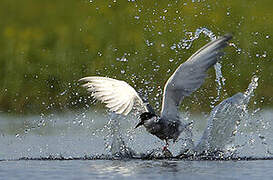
{"points": [[120, 97]]}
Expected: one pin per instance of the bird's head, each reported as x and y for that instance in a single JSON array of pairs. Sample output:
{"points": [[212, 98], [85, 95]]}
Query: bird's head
{"points": [[144, 117]]}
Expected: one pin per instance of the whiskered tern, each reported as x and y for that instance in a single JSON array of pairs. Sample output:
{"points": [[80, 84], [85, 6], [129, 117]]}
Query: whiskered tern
{"points": [[120, 97]]}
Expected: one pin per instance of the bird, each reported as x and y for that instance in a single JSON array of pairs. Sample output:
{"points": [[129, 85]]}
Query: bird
{"points": [[120, 97]]}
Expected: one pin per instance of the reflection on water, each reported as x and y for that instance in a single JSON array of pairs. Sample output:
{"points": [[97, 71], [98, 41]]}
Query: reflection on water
{"points": [[136, 169], [133, 168]]}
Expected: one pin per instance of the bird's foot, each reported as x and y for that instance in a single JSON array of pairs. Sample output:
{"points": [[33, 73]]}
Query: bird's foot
{"points": [[166, 152]]}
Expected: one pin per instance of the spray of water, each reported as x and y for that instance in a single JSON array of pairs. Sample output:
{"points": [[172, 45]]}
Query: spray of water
{"points": [[117, 146], [186, 44], [224, 122], [224, 118]]}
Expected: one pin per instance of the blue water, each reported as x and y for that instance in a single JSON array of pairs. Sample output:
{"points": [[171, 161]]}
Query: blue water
{"points": [[77, 137], [136, 169]]}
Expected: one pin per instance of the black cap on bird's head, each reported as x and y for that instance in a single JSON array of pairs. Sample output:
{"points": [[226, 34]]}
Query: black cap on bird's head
{"points": [[145, 116]]}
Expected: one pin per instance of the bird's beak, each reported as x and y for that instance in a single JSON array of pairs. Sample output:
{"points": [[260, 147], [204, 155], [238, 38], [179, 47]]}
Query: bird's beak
{"points": [[139, 124]]}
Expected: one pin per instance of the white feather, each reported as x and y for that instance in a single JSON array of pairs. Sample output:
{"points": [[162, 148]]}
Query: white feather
{"points": [[118, 96]]}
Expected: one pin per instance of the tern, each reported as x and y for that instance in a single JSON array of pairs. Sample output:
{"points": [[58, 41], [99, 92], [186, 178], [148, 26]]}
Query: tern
{"points": [[120, 97]]}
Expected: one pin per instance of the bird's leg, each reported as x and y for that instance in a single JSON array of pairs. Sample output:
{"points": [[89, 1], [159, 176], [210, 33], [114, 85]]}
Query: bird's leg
{"points": [[165, 148], [166, 152]]}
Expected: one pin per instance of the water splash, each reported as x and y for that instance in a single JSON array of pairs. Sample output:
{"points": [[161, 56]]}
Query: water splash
{"points": [[224, 121], [219, 136], [251, 87], [187, 43], [118, 147], [220, 80]]}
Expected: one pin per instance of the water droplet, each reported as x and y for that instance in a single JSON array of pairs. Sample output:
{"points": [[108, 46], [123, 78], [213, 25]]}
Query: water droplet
{"points": [[149, 43], [62, 93]]}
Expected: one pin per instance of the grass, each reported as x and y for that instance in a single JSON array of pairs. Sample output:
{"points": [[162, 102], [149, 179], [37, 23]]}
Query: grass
{"points": [[46, 46]]}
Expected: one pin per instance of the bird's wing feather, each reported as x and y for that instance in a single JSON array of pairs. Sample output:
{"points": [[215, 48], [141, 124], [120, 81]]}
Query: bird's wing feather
{"points": [[190, 75], [118, 96]]}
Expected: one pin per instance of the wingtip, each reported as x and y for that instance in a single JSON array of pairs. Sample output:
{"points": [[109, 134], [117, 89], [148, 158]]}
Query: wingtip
{"points": [[87, 78], [82, 79], [228, 36]]}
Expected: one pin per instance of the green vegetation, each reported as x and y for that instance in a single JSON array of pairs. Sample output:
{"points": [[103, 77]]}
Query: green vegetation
{"points": [[46, 46]]}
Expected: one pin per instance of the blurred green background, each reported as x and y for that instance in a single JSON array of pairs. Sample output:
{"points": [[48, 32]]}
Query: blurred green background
{"points": [[47, 45]]}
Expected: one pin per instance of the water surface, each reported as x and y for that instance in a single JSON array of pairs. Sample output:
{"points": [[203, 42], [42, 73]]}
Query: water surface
{"points": [[136, 169], [62, 147]]}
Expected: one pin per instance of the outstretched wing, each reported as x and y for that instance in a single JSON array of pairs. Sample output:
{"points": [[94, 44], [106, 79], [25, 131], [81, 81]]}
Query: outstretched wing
{"points": [[190, 75], [118, 96]]}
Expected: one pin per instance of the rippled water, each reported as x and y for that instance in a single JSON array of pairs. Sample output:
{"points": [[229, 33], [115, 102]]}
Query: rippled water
{"points": [[62, 146], [136, 169]]}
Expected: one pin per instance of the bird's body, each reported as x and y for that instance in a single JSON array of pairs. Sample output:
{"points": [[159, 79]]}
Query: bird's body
{"points": [[188, 77], [164, 129]]}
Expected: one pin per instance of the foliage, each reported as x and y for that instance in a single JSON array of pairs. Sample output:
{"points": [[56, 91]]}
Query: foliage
{"points": [[46, 46]]}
